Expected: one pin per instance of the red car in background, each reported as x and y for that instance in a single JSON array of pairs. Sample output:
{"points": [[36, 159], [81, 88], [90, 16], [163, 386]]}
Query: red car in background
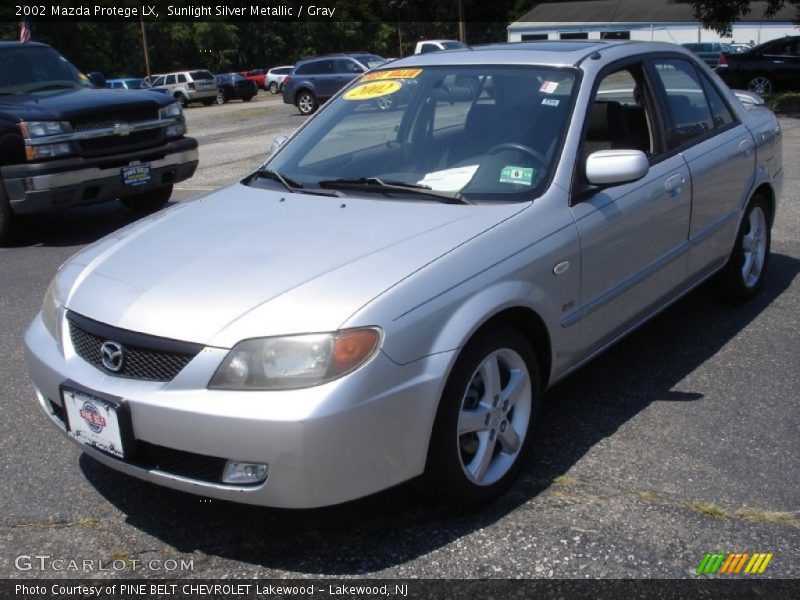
{"points": [[257, 75]]}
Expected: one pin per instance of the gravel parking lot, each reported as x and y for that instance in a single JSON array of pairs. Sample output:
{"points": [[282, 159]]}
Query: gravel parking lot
{"points": [[681, 440]]}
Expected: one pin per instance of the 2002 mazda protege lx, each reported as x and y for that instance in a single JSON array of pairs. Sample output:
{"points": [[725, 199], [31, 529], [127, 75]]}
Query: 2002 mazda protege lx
{"points": [[389, 295]]}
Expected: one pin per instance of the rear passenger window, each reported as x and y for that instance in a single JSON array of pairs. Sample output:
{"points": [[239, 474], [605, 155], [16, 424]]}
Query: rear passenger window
{"points": [[170, 79], [181, 78], [719, 110], [686, 100]]}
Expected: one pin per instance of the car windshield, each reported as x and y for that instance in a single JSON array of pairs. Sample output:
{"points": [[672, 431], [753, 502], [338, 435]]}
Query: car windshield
{"points": [[479, 133], [371, 61], [37, 69]]}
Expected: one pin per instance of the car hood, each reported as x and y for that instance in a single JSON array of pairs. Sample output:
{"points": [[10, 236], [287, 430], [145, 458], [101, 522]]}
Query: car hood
{"points": [[73, 104], [246, 262]]}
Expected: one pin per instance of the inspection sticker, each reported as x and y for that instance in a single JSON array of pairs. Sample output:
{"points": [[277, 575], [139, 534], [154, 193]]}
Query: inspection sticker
{"points": [[518, 175], [367, 91], [392, 74], [549, 87]]}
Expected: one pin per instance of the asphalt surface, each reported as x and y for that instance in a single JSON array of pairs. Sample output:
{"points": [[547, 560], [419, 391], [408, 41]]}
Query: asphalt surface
{"points": [[682, 439]]}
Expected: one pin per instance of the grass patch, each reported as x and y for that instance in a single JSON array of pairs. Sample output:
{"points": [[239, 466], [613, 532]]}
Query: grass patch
{"points": [[647, 496], [784, 102], [564, 480], [709, 510], [769, 516]]}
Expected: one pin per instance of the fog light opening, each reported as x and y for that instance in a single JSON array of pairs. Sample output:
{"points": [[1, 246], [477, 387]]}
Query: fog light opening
{"points": [[243, 473]]}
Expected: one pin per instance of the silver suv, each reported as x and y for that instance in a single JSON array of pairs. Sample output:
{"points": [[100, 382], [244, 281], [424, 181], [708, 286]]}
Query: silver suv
{"points": [[188, 86]]}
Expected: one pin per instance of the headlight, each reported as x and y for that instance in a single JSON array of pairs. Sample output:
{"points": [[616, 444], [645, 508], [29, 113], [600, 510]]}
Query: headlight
{"points": [[298, 361], [176, 130], [48, 151], [171, 111], [50, 309], [37, 129]]}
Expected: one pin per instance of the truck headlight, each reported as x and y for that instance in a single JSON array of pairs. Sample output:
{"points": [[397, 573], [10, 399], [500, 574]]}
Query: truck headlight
{"points": [[37, 129], [171, 111], [176, 130], [297, 361]]}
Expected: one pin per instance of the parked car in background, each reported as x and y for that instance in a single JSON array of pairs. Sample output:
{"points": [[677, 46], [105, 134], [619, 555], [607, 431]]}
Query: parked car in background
{"points": [[189, 86], [391, 293], [709, 51], [65, 144], [234, 86], [316, 79], [133, 83], [257, 76], [738, 48], [426, 46], [769, 67], [276, 76]]}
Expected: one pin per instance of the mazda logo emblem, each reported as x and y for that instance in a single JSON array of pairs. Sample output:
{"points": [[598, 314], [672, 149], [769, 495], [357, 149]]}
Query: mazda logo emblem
{"points": [[112, 356]]}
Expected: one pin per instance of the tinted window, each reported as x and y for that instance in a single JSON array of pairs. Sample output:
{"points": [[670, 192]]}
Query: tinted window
{"points": [[347, 66], [452, 45], [371, 61], [691, 117], [238, 78], [283, 71], [181, 78], [158, 81], [201, 75], [719, 110], [428, 48], [783, 48], [170, 79], [26, 69]]}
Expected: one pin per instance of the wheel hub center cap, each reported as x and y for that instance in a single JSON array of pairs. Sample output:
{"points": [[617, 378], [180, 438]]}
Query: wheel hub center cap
{"points": [[497, 417]]}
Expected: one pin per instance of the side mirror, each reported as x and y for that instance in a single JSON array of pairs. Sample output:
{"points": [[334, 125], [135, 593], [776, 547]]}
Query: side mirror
{"points": [[277, 143], [612, 167], [97, 79]]}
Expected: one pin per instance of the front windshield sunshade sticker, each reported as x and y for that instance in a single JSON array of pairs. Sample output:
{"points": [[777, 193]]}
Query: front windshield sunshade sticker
{"points": [[392, 74], [367, 91], [518, 175], [549, 87]]}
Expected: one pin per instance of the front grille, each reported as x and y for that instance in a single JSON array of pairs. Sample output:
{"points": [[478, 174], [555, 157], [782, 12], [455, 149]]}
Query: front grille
{"points": [[120, 143], [106, 119], [178, 462], [146, 357]]}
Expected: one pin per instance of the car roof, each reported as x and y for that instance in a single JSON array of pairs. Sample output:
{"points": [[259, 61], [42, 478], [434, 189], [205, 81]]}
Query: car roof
{"points": [[335, 55], [550, 52], [10, 44]]}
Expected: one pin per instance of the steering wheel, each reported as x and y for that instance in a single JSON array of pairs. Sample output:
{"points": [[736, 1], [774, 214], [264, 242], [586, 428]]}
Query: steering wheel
{"points": [[535, 154]]}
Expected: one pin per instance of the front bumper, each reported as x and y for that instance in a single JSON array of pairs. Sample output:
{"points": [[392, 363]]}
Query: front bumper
{"points": [[324, 445], [76, 181]]}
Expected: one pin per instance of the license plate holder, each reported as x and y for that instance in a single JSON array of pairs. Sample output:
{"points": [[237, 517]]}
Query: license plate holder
{"points": [[136, 175], [98, 420]]}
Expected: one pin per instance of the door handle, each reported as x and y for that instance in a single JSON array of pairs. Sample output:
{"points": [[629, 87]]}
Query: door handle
{"points": [[745, 146], [673, 183]]}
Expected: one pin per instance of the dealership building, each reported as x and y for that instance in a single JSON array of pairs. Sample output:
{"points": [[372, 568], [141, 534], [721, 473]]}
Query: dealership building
{"points": [[645, 20]]}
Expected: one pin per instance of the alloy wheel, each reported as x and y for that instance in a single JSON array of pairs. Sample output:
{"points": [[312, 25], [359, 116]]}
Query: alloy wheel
{"points": [[754, 246]]}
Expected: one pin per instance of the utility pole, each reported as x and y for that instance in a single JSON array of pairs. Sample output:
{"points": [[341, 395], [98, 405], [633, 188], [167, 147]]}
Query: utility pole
{"points": [[144, 47], [462, 30]]}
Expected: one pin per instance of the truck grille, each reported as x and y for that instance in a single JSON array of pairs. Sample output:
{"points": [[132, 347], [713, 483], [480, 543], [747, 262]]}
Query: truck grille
{"points": [[103, 120], [120, 143], [145, 357]]}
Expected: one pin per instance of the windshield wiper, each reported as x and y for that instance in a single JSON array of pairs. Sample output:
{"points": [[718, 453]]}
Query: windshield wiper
{"points": [[383, 185], [52, 86], [289, 184]]}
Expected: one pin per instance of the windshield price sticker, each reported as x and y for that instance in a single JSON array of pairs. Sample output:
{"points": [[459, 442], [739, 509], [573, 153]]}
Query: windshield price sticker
{"points": [[518, 175], [393, 74], [367, 91]]}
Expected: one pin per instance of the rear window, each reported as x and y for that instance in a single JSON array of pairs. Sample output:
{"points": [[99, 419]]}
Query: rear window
{"points": [[370, 60], [452, 45], [201, 75]]}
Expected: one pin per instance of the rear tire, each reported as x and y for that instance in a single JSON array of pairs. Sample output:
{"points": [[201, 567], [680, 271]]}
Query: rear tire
{"points": [[147, 202], [221, 98], [484, 421], [760, 84], [273, 87], [743, 276], [7, 220], [306, 103]]}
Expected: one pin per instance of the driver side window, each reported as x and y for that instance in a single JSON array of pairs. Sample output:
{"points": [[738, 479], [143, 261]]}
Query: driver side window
{"points": [[618, 117]]}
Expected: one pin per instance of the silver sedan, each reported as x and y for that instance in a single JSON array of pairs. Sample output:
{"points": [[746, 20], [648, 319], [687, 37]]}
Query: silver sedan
{"points": [[390, 294]]}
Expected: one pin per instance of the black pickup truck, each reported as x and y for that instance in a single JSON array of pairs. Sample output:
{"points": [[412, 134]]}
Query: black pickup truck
{"points": [[65, 143]]}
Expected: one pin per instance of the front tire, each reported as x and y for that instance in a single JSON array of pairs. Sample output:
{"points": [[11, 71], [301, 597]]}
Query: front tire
{"points": [[147, 202], [306, 103], [182, 99], [743, 276], [482, 428], [7, 220], [221, 98]]}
